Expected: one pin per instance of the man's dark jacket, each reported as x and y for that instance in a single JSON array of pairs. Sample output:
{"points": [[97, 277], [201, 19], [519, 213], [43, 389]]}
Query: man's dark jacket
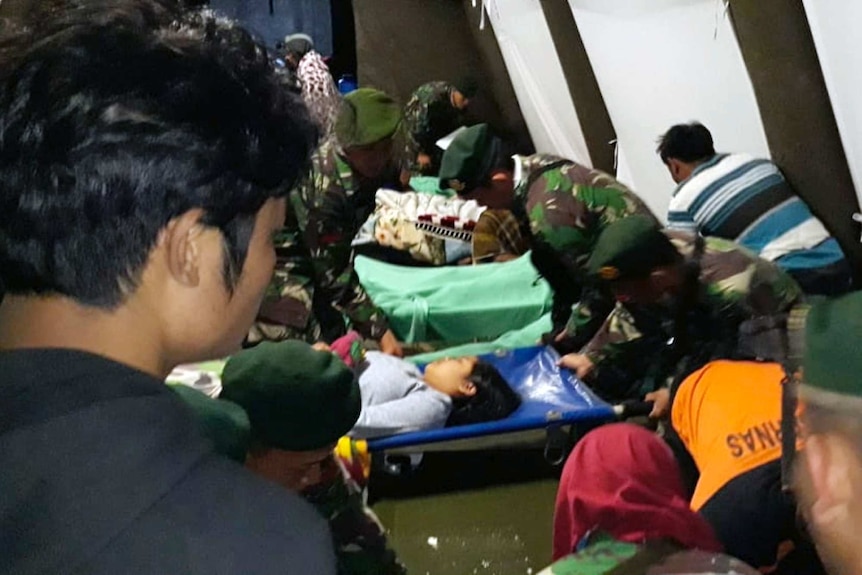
{"points": [[103, 471]]}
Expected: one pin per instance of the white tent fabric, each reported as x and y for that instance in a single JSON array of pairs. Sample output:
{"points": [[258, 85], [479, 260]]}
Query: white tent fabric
{"points": [[663, 62], [834, 26], [537, 77]]}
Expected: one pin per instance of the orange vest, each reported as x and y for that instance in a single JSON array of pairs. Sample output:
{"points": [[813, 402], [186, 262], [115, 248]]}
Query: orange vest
{"points": [[728, 415]]}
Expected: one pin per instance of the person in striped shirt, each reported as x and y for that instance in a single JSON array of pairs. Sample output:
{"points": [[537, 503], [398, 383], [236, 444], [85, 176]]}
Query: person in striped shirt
{"points": [[747, 200]]}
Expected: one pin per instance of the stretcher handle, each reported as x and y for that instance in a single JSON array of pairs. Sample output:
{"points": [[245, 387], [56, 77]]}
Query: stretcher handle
{"points": [[629, 409]]}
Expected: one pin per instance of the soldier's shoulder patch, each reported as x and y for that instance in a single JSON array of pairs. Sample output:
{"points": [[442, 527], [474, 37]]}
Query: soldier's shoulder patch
{"points": [[609, 273]]}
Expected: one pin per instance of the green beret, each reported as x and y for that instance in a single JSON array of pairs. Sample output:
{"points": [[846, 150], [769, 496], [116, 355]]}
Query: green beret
{"points": [[297, 398], [469, 159], [831, 360], [366, 116], [222, 422], [630, 248], [468, 86]]}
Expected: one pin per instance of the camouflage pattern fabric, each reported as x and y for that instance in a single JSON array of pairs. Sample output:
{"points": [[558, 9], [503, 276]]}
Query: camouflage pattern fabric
{"points": [[607, 556], [359, 539], [568, 206], [429, 116], [733, 286], [315, 293]]}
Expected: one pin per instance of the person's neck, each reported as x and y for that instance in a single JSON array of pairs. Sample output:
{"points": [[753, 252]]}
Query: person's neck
{"points": [[125, 335], [692, 167]]}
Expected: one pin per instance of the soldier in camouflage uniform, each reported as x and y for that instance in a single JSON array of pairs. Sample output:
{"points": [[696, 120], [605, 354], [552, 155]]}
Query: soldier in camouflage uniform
{"points": [[606, 555], [827, 472], [682, 300], [315, 293], [360, 540], [562, 207], [435, 110], [299, 403]]}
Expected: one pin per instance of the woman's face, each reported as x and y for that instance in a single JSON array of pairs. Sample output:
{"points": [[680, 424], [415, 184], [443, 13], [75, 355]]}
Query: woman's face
{"points": [[452, 376]]}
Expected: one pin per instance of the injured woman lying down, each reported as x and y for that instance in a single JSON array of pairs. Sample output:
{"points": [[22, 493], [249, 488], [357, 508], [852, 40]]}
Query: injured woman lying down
{"points": [[398, 397]]}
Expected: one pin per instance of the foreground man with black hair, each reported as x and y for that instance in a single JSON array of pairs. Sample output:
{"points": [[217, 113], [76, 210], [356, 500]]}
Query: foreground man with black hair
{"points": [[136, 221]]}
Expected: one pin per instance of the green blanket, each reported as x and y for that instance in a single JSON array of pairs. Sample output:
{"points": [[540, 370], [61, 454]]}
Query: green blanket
{"points": [[525, 337], [457, 303], [429, 185]]}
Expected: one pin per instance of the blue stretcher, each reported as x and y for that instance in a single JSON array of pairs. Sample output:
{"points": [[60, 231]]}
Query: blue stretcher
{"points": [[552, 398]]}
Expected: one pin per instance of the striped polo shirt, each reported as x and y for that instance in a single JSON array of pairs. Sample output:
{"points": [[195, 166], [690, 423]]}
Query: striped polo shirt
{"points": [[737, 197]]}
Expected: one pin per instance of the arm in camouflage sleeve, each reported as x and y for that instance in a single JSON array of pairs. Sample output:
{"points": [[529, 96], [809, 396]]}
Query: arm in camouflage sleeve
{"points": [[747, 284], [587, 315], [629, 338], [617, 332], [328, 231], [415, 125], [360, 542]]}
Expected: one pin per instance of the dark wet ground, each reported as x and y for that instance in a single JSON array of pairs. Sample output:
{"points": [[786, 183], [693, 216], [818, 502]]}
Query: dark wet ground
{"points": [[485, 513]]}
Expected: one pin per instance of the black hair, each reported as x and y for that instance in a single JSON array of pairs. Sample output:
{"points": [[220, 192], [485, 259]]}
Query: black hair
{"points": [[118, 116], [494, 399], [686, 142], [468, 86]]}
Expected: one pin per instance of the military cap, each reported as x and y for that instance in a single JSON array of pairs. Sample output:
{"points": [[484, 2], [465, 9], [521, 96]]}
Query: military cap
{"points": [[469, 159], [222, 422], [629, 248], [831, 360], [366, 116], [467, 85], [296, 398]]}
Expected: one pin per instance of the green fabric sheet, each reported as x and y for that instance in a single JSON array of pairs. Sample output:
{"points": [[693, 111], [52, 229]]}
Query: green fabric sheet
{"points": [[525, 337], [457, 303], [429, 185]]}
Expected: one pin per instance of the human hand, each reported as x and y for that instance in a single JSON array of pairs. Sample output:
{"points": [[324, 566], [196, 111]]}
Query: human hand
{"points": [[579, 363], [390, 345], [321, 346], [661, 402], [423, 161]]}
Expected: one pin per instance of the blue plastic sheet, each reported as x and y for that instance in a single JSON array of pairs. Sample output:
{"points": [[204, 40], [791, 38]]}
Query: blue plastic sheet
{"points": [[550, 395]]}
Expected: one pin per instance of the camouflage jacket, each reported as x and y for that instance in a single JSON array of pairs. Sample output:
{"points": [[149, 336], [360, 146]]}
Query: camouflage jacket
{"points": [[733, 286], [359, 539], [315, 291], [569, 205], [429, 116], [566, 207], [607, 555]]}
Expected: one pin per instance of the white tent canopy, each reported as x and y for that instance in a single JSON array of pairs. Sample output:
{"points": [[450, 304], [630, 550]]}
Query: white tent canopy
{"points": [[834, 26], [537, 77], [664, 63]]}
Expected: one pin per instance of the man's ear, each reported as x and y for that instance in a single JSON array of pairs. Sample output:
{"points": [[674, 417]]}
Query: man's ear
{"points": [[182, 242], [660, 277], [500, 176], [675, 168], [829, 461], [467, 388]]}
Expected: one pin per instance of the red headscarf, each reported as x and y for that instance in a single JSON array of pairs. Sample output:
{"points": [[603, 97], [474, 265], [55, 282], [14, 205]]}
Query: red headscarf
{"points": [[622, 480]]}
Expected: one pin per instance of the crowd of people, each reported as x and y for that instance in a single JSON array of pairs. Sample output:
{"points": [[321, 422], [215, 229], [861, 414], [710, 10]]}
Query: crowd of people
{"points": [[166, 197]]}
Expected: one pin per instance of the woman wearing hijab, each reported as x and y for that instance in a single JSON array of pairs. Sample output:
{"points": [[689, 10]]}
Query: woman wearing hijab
{"points": [[621, 507], [318, 88]]}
